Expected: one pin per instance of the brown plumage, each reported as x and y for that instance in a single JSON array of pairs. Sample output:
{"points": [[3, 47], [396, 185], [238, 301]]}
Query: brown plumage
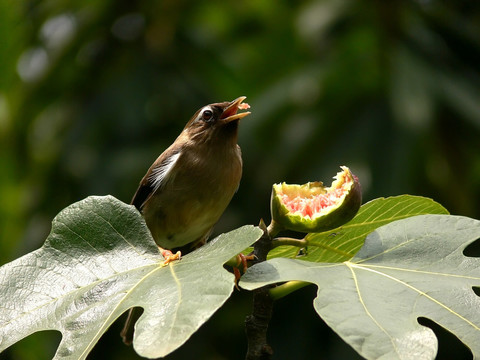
{"points": [[189, 186]]}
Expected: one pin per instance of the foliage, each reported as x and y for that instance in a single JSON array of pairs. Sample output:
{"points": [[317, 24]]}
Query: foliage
{"points": [[100, 260], [92, 91], [407, 269]]}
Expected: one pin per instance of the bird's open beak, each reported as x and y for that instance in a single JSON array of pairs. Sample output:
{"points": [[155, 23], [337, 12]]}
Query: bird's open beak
{"points": [[230, 113]]}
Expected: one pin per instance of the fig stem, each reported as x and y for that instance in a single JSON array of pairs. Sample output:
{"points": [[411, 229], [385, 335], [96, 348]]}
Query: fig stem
{"points": [[274, 228], [289, 241], [280, 291]]}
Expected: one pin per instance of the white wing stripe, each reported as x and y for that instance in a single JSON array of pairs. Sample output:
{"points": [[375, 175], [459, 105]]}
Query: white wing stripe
{"points": [[160, 174]]}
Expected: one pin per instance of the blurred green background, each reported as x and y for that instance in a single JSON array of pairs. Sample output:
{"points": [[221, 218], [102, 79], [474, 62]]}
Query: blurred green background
{"points": [[92, 91]]}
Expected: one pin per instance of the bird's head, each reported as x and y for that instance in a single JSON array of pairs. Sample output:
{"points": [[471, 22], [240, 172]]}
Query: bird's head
{"points": [[218, 120]]}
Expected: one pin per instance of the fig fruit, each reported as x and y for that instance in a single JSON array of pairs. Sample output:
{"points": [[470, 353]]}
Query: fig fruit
{"points": [[313, 207]]}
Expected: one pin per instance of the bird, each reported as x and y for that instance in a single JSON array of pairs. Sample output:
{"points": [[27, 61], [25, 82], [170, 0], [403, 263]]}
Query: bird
{"points": [[189, 186]]}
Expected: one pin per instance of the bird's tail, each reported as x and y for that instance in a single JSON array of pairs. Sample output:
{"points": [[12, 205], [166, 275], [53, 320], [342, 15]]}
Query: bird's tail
{"points": [[128, 328]]}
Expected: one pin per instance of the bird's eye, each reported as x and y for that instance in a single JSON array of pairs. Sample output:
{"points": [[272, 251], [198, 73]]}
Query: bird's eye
{"points": [[207, 115]]}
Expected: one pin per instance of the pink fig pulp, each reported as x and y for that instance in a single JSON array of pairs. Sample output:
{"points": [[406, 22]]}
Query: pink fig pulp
{"points": [[313, 207]]}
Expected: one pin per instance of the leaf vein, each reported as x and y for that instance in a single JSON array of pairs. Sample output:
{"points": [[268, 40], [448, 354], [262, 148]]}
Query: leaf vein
{"points": [[369, 314], [421, 293]]}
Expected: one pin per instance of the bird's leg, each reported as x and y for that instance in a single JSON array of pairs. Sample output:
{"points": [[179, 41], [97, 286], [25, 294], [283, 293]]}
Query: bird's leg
{"points": [[169, 256]]}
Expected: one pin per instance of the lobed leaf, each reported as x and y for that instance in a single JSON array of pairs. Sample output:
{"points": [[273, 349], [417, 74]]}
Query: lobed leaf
{"points": [[407, 269], [100, 260]]}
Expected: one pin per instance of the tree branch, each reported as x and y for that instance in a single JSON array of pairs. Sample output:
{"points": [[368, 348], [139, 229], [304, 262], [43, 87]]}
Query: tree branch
{"points": [[256, 324]]}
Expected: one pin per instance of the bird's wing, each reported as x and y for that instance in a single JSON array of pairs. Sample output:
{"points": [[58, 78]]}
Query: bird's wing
{"points": [[143, 193], [156, 176]]}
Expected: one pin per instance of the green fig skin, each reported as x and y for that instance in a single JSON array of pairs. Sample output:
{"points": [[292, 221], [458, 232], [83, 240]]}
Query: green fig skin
{"points": [[330, 217]]}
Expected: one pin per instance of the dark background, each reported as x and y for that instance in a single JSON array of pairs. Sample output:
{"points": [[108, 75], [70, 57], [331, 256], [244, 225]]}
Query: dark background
{"points": [[92, 91]]}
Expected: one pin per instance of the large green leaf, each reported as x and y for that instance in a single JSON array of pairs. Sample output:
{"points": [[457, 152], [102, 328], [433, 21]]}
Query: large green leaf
{"points": [[342, 243], [100, 260], [407, 269]]}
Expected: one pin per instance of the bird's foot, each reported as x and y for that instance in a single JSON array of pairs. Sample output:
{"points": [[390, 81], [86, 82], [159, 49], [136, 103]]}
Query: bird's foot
{"points": [[241, 260], [169, 256]]}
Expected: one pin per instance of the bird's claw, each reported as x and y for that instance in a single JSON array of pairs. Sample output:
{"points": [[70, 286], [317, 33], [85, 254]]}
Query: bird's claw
{"points": [[241, 260], [169, 256]]}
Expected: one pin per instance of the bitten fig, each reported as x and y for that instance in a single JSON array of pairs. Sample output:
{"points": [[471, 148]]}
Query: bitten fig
{"points": [[313, 207]]}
